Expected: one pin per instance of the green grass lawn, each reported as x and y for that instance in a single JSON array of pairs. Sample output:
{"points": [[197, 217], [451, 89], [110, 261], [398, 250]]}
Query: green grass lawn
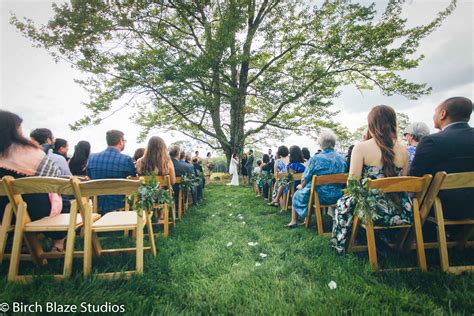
{"points": [[197, 271]]}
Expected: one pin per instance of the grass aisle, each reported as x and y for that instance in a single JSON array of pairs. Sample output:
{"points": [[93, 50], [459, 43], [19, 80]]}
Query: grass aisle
{"points": [[207, 266]]}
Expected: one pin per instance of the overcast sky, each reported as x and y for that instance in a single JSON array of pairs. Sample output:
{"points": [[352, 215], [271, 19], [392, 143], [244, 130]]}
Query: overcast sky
{"points": [[44, 94]]}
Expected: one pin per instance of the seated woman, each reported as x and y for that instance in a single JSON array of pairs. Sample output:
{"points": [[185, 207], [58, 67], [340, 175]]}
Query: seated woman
{"points": [[328, 161], [281, 164], [156, 160], [78, 162], [20, 157], [381, 156]]}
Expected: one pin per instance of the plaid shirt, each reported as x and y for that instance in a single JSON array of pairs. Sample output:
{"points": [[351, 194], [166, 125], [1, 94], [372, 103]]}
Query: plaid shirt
{"points": [[107, 165]]}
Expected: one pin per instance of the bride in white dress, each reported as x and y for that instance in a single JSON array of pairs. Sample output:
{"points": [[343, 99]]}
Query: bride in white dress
{"points": [[234, 170]]}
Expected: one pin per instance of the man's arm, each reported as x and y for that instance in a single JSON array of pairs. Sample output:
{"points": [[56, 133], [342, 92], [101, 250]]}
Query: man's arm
{"points": [[425, 158]]}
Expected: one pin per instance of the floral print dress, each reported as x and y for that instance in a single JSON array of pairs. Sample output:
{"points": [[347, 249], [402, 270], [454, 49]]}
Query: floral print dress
{"points": [[389, 214]]}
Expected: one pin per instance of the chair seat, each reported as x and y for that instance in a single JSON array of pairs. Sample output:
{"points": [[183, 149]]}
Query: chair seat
{"points": [[56, 223], [117, 219]]}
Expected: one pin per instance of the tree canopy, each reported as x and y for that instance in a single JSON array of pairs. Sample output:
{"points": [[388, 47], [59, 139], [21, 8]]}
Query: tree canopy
{"points": [[231, 73]]}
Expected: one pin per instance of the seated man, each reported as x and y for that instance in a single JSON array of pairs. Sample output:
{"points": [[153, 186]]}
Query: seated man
{"points": [[450, 150], [44, 138], [180, 168], [111, 164]]}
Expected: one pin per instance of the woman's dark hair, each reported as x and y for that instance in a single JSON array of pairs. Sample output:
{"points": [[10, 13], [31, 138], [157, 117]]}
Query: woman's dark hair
{"points": [[259, 162], [283, 151], [382, 121], [296, 155], [78, 162], [9, 134], [306, 153], [234, 155], [266, 158], [208, 154], [138, 153], [41, 135]]}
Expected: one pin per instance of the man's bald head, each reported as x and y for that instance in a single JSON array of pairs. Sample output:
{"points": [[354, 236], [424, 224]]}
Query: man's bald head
{"points": [[457, 109]]}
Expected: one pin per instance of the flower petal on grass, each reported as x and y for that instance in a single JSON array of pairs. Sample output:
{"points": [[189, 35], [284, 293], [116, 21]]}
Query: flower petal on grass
{"points": [[229, 244], [252, 244], [332, 285], [258, 264], [263, 255]]}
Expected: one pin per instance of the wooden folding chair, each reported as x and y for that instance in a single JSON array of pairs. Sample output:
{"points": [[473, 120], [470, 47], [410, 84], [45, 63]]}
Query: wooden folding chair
{"points": [[291, 189], [111, 222], [7, 226], [278, 176], [28, 229], [443, 181], [416, 185], [338, 178]]}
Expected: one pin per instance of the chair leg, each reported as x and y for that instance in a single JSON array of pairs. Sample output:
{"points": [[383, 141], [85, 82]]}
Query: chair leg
{"points": [[151, 236], [442, 244], [71, 236], [140, 242], [319, 220], [308, 217], [420, 246], [180, 204], [355, 227], [6, 222], [17, 240], [88, 240], [369, 230], [463, 237], [166, 221]]}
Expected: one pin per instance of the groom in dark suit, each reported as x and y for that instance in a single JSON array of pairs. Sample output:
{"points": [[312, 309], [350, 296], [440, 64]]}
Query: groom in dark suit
{"points": [[249, 166], [450, 150]]}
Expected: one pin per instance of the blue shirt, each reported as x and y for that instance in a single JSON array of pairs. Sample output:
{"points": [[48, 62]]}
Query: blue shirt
{"points": [[110, 164]]}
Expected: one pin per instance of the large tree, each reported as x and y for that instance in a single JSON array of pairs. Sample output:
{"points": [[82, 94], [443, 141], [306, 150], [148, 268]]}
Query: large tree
{"points": [[231, 72]]}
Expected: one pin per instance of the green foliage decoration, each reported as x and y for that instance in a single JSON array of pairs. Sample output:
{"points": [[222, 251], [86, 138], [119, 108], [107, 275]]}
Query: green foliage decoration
{"points": [[149, 195]]}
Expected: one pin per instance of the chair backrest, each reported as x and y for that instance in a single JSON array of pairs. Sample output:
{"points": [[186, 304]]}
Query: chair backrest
{"points": [[337, 178], [280, 175], [178, 180], [297, 176], [443, 181], [107, 187], [28, 185], [417, 185]]}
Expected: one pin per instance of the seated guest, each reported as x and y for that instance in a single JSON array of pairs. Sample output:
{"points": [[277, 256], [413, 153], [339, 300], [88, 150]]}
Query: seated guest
{"points": [[111, 164], [44, 138], [180, 168], [61, 147], [306, 155], [20, 157], [348, 157], [450, 150], [139, 152], [413, 134], [280, 166], [78, 161], [381, 156], [197, 187], [182, 156], [268, 168], [328, 161], [156, 160]]}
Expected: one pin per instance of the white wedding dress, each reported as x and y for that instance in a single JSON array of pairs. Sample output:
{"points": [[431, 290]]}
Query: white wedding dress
{"points": [[234, 171]]}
